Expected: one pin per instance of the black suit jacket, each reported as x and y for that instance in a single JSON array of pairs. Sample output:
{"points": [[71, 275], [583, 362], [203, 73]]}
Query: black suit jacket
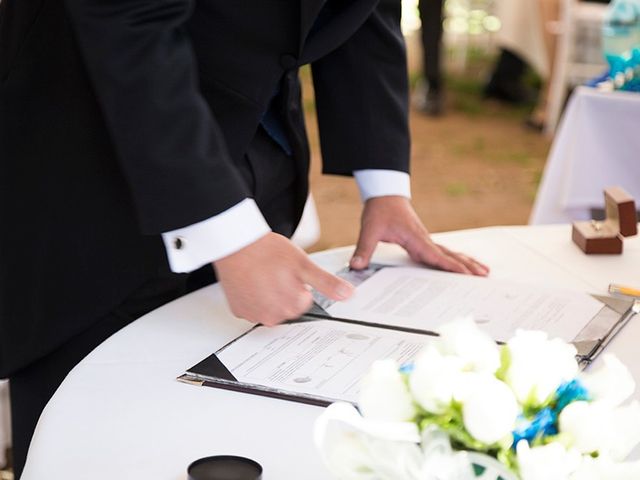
{"points": [[122, 119]]}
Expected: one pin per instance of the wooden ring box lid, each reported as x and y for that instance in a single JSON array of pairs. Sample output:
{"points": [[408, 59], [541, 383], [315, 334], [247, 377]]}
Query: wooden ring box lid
{"points": [[607, 236]]}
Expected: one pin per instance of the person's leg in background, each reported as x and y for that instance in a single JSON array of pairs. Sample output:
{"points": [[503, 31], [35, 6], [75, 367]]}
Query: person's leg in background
{"points": [[506, 81], [431, 99], [549, 12], [33, 386]]}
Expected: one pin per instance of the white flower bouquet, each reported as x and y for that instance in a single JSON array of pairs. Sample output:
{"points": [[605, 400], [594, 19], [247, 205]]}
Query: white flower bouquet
{"points": [[467, 408]]}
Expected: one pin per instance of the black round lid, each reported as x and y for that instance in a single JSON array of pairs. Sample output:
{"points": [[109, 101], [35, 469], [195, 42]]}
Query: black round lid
{"points": [[225, 467]]}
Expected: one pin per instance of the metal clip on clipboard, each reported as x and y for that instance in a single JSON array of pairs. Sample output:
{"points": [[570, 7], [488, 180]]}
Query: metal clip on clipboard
{"points": [[613, 317]]}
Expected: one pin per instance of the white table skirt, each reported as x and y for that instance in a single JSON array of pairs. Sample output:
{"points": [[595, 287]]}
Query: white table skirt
{"points": [[120, 414], [597, 146], [5, 430]]}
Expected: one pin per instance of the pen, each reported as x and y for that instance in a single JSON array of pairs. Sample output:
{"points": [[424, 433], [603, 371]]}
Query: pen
{"points": [[624, 290]]}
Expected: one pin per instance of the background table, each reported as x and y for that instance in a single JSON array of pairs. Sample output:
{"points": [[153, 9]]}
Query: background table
{"points": [[597, 146], [120, 414]]}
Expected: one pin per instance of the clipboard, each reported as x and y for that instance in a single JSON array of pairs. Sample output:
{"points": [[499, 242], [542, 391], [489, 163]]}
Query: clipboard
{"points": [[211, 372], [590, 342]]}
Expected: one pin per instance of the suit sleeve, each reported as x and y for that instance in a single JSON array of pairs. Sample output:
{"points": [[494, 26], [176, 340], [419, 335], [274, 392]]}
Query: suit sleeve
{"points": [[168, 143], [362, 96]]}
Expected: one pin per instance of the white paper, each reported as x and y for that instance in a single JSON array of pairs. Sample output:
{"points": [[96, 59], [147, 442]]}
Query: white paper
{"points": [[425, 299], [323, 358]]}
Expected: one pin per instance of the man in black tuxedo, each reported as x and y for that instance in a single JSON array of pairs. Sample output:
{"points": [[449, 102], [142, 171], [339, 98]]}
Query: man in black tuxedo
{"points": [[141, 138]]}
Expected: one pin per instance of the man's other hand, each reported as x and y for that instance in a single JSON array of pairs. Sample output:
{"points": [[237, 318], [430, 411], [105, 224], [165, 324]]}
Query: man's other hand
{"points": [[393, 219], [268, 281]]}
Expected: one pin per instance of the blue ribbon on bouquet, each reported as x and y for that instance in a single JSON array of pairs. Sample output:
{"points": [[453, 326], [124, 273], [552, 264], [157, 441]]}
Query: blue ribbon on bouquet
{"points": [[545, 422]]}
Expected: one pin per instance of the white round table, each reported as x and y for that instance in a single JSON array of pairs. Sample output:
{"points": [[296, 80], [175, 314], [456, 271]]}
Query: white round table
{"points": [[121, 414]]}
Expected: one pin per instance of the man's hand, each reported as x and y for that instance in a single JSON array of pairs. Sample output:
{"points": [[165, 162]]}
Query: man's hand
{"points": [[392, 219], [268, 281]]}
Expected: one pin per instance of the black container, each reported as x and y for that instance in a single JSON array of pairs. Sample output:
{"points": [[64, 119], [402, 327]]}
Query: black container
{"points": [[225, 467]]}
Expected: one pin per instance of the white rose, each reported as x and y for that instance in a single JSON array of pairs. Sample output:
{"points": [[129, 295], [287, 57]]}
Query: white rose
{"points": [[440, 460], [477, 350], [354, 448], [611, 383], [538, 366], [624, 431], [621, 471], [586, 470], [596, 427], [384, 394], [587, 425], [548, 462], [434, 379], [346, 456], [602, 468], [489, 408]]}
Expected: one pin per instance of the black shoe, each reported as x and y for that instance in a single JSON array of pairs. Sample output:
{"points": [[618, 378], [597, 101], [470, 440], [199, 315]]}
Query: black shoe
{"points": [[506, 80], [534, 124], [431, 102], [509, 92]]}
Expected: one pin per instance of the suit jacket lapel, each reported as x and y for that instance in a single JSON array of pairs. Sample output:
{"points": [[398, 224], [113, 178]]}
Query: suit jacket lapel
{"points": [[309, 10]]}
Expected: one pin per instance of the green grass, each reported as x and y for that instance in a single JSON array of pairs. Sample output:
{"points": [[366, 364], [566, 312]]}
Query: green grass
{"points": [[457, 189], [519, 157], [467, 95]]}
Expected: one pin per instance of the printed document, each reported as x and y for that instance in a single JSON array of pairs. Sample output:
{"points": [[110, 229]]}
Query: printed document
{"points": [[322, 358], [425, 299]]}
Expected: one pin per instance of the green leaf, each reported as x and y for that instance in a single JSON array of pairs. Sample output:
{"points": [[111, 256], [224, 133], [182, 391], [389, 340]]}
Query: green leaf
{"points": [[505, 363]]}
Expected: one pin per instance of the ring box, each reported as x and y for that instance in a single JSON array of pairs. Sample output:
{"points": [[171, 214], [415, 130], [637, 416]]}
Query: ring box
{"points": [[606, 237]]}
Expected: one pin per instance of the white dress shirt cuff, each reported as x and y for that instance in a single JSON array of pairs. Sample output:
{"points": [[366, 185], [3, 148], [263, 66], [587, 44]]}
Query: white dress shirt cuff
{"points": [[381, 183], [204, 242]]}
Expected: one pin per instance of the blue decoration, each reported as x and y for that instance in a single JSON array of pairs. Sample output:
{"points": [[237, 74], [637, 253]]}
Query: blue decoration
{"points": [[569, 392], [407, 368], [621, 45], [593, 83], [543, 424]]}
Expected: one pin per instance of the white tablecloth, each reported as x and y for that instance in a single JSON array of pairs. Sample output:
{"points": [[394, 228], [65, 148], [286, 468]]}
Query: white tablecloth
{"points": [[5, 432], [120, 414], [597, 145]]}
